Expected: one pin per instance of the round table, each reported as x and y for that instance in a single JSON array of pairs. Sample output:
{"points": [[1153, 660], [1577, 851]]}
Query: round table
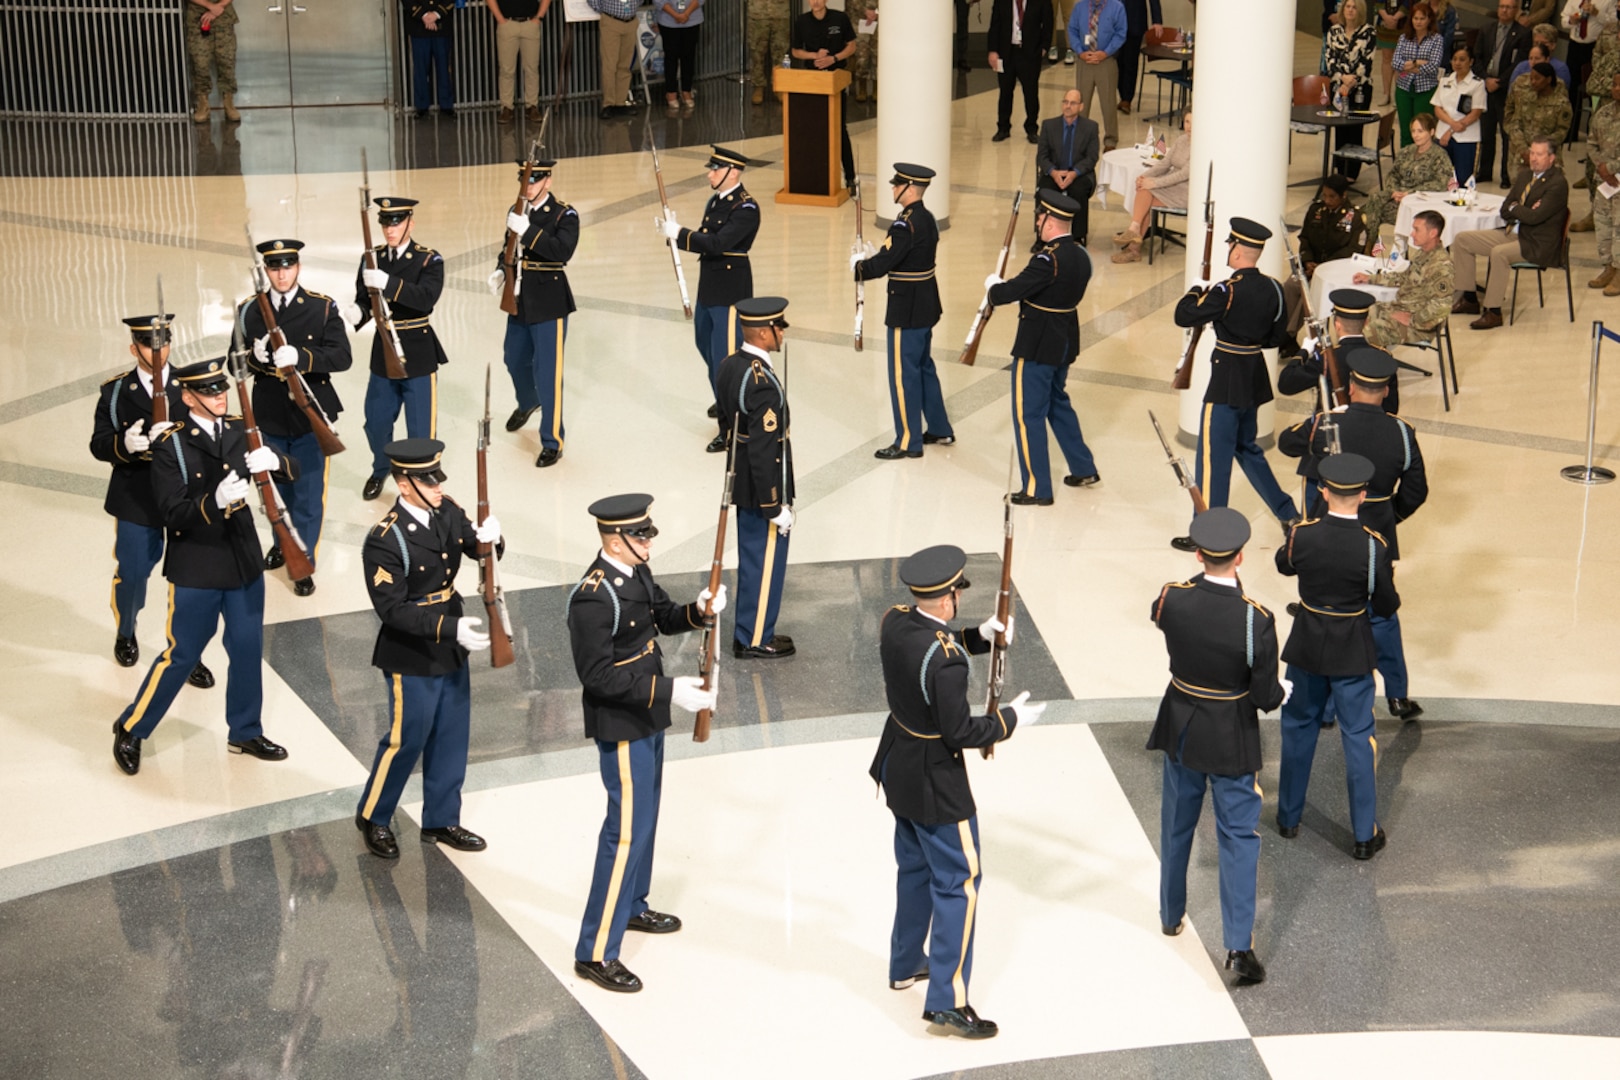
{"points": [[1327, 118], [1338, 274], [1484, 214], [1117, 170], [1178, 51]]}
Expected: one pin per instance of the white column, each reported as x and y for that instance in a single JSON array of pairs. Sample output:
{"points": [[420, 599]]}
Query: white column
{"points": [[1242, 94], [914, 99]]}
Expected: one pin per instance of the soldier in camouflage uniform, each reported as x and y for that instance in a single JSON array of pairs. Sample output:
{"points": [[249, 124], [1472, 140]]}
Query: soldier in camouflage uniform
{"points": [[1423, 299], [1603, 160], [864, 68], [769, 38], [1535, 107], [217, 47], [1422, 166]]}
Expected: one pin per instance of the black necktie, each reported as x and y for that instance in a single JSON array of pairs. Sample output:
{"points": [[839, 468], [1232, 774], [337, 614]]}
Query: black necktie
{"points": [[219, 433]]}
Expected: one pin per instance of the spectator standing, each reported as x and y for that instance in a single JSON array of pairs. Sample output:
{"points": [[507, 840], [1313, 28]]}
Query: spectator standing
{"points": [[1534, 12], [1138, 20], [517, 36], [617, 49], [1584, 21], [1419, 57], [1536, 108], [768, 40], [211, 43], [824, 40], [678, 22], [864, 66], [1017, 29], [1391, 24], [1500, 46], [1445, 24], [1543, 42], [1459, 103], [427, 24], [1348, 60], [1096, 33], [1061, 10], [1603, 150]]}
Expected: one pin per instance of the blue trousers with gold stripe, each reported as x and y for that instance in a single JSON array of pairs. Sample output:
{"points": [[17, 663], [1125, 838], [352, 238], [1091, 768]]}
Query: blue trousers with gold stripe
{"points": [[534, 359], [418, 398], [1224, 433], [137, 549], [1039, 398], [717, 329], [1316, 699], [633, 773], [428, 719], [194, 615], [1237, 819], [938, 884], [915, 399], [1391, 653], [306, 496], [761, 567]]}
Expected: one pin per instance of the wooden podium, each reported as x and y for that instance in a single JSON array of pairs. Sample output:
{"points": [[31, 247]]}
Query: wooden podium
{"points": [[812, 136]]}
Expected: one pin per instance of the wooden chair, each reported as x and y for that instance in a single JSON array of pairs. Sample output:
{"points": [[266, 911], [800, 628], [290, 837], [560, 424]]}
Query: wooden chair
{"points": [[1374, 156], [1541, 296]]}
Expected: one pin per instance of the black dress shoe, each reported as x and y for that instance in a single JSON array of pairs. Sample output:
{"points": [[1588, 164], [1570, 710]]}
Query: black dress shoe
{"points": [[1021, 499], [126, 749], [1247, 965], [454, 836], [964, 1021], [610, 974], [1366, 849], [303, 586], [653, 922], [126, 650], [714, 412], [372, 489], [1183, 543], [1001, 136], [717, 445], [1174, 931], [273, 559], [1081, 481], [520, 417], [1329, 725], [259, 747], [608, 112], [201, 677], [547, 458], [778, 646], [930, 439], [379, 838], [1030, 135], [891, 453], [911, 980], [1404, 708], [1287, 832]]}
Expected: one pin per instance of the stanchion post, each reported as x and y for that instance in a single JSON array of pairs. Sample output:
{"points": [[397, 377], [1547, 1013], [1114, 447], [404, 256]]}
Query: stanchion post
{"points": [[1590, 473]]}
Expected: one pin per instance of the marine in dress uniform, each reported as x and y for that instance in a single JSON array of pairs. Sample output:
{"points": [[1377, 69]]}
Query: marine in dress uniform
{"points": [[725, 275], [615, 615], [907, 260], [1223, 674], [214, 564], [122, 437], [317, 345], [753, 400], [1344, 573], [920, 766], [1047, 291], [547, 236], [1399, 486], [410, 277], [411, 558], [1248, 314]]}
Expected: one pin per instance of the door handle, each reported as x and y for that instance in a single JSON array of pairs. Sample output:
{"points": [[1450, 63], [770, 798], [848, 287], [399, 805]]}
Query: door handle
{"points": [[274, 9], [299, 10]]}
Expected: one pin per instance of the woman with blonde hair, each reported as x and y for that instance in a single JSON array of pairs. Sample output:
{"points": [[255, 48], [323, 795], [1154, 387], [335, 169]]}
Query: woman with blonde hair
{"points": [[1348, 61]]}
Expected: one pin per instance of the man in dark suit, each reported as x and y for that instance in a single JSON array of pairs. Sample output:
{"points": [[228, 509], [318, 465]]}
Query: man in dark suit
{"points": [[1500, 47], [1066, 158], [1018, 32], [1138, 20], [1534, 211]]}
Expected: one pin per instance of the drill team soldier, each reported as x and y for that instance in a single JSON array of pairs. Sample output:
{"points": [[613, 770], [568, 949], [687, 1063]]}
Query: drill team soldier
{"points": [[1350, 310], [615, 615], [907, 259], [547, 236], [214, 564], [317, 345], [410, 559], [410, 277], [1223, 668], [920, 767]]}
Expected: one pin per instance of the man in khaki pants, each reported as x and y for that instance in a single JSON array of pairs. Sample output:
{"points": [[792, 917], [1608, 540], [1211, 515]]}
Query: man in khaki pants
{"points": [[1534, 209], [1096, 32], [617, 30], [517, 33]]}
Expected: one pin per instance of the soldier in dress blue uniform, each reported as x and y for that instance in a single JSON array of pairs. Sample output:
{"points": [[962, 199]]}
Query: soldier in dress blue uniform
{"points": [[317, 345], [214, 564], [122, 437], [410, 277], [920, 767], [753, 399], [411, 557], [547, 236], [1048, 292], [907, 259], [1344, 571], [730, 223], [1399, 486], [1223, 674], [615, 615], [1304, 372], [1248, 314]]}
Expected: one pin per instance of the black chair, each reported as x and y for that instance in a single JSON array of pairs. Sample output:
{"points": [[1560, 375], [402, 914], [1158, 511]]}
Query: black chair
{"points": [[1375, 154], [1541, 296], [1437, 340], [1158, 217]]}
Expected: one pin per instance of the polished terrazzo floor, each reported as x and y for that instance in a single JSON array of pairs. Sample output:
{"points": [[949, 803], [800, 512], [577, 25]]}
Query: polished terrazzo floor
{"points": [[216, 916]]}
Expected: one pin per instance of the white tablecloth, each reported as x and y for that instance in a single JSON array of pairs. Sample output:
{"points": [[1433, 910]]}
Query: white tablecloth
{"points": [[1337, 275], [1117, 170], [1459, 219]]}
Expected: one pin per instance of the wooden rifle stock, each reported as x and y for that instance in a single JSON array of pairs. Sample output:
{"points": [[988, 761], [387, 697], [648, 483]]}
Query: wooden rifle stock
{"points": [[1182, 378], [711, 635], [293, 551], [393, 351], [1179, 467], [319, 426], [998, 647], [1338, 387], [986, 309], [509, 254], [160, 340], [500, 623], [860, 283]]}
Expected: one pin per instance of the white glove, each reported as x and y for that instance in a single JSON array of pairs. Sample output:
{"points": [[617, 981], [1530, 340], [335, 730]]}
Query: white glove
{"points": [[263, 459], [1027, 714], [517, 223], [261, 350], [374, 279], [865, 248], [855, 259], [719, 599], [497, 283], [489, 531], [783, 521], [469, 637], [992, 626], [1288, 689], [134, 441], [155, 432], [286, 357], [992, 281], [232, 489], [353, 315], [688, 694], [1309, 344], [1340, 408], [668, 227]]}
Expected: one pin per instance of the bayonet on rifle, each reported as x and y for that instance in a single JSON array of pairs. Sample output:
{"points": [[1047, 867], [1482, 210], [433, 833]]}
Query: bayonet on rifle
{"points": [[1179, 467]]}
